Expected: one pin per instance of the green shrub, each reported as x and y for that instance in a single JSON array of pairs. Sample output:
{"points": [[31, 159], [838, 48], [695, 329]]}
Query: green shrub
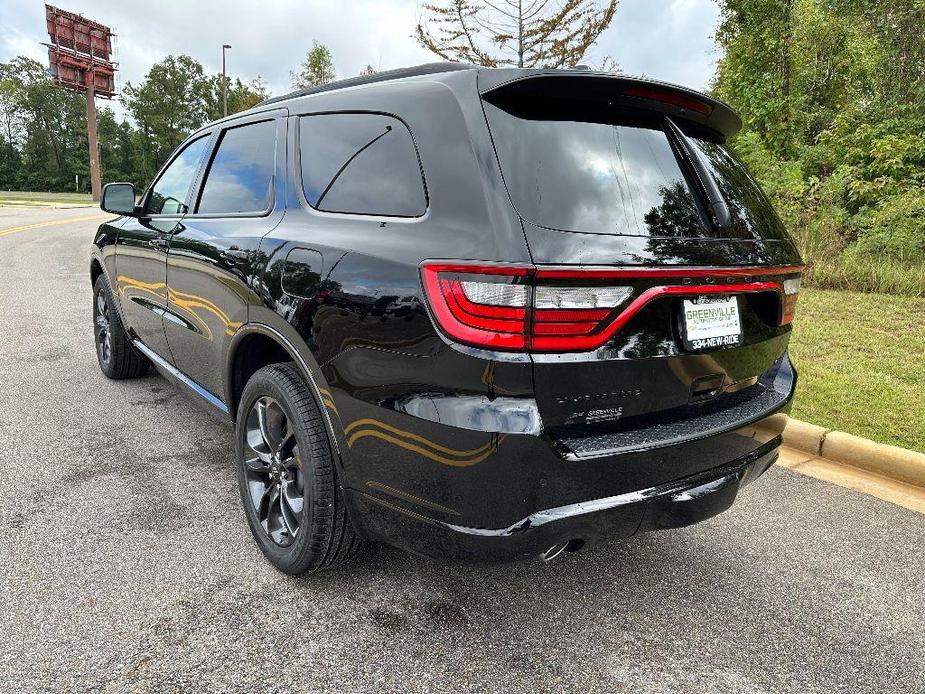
{"points": [[894, 227]]}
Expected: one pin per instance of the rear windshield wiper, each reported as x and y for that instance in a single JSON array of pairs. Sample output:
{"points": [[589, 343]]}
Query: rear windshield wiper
{"points": [[699, 177]]}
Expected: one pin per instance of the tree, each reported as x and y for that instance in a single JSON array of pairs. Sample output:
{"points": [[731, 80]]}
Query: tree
{"points": [[171, 102], [258, 90], [241, 96], [12, 116], [10, 166], [317, 69], [121, 158], [368, 70], [43, 129], [525, 33], [47, 125]]}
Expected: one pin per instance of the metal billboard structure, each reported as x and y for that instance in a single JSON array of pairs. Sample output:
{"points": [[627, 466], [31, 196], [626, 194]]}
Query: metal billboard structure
{"points": [[80, 58]]}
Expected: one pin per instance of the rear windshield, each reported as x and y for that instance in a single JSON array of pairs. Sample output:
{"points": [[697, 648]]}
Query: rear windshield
{"points": [[608, 178], [752, 216]]}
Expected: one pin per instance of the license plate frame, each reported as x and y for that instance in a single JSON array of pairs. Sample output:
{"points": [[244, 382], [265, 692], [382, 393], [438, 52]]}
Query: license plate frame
{"points": [[711, 321]]}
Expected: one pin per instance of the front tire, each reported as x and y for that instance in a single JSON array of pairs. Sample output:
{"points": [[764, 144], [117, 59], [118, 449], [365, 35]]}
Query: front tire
{"points": [[287, 477], [117, 356]]}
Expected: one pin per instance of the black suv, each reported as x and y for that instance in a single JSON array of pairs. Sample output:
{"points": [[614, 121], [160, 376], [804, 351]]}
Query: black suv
{"points": [[473, 313]]}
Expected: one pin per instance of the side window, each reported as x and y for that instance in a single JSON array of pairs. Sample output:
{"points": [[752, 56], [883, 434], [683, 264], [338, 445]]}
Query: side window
{"points": [[360, 163], [169, 193], [240, 177]]}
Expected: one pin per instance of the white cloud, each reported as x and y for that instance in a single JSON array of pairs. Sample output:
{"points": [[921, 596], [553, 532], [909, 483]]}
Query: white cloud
{"points": [[669, 40], [15, 42]]}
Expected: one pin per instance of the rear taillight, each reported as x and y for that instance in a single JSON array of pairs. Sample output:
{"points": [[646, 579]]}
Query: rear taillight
{"points": [[525, 308], [481, 305], [791, 293]]}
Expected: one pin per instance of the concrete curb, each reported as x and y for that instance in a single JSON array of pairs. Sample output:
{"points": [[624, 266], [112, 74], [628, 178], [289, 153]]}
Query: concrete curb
{"points": [[889, 461]]}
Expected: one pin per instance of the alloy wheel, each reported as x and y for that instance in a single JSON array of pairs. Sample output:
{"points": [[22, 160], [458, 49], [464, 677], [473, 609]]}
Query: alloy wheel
{"points": [[273, 470], [103, 329]]}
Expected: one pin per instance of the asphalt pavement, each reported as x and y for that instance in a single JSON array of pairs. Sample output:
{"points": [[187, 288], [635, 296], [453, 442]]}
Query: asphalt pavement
{"points": [[126, 563]]}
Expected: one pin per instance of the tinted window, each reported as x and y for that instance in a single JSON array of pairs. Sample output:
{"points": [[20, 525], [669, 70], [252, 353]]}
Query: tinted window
{"points": [[751, 214], [240, 176], [594, 177], [169, 193], [361, 163]]}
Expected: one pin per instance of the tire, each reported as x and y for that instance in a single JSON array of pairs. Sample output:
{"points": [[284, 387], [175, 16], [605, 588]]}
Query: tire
{"points": [[292, 498], [115, 353]]}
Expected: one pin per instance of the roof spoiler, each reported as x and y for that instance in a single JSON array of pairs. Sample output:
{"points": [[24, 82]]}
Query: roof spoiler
{"points": [[601, 87]]}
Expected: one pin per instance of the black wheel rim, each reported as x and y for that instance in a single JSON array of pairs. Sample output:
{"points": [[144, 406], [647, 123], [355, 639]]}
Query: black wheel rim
{"points": [[273, 470], [103, 329]]}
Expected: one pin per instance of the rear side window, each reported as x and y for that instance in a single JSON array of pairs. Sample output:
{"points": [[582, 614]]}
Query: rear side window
{"points": [[240, 177], [360, 163]]}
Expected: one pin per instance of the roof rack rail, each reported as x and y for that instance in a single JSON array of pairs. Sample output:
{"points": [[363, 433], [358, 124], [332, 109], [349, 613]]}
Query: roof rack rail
{"points": [[425, 69]]}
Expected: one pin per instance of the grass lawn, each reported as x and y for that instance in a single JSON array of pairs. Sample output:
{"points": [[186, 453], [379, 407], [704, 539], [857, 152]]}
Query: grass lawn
{"points": [[14, 197], [861, 360]]}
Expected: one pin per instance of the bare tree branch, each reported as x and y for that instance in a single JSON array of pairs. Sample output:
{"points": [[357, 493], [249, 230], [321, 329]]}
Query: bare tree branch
{"points": [[530, 33]]}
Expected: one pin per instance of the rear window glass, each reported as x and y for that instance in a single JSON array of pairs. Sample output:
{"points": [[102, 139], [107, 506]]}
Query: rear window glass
{"points": [[594, 177], [360, 163], [752, 216], [614, 178]]}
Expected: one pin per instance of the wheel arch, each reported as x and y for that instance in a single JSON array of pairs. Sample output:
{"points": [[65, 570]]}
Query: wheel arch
{"points": [[249, 339], [96, 269], [257, 345]]}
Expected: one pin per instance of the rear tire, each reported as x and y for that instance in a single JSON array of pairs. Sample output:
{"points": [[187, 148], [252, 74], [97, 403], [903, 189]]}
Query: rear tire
{"points": [[287, 476], [115, 352]]}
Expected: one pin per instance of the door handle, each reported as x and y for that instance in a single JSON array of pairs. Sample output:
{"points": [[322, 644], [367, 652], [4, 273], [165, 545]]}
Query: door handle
{"points": [[158, 243]]}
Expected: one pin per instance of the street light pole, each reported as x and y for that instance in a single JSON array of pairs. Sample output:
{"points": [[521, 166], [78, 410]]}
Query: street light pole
{"points": [[224, 82]]}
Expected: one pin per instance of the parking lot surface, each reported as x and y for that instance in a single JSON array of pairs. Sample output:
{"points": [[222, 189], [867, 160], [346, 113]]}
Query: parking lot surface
{"points": [[127, 563]]}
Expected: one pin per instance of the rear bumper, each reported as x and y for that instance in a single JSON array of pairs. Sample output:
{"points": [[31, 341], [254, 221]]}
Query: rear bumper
{"points": [[442, 489], [671, 505]]}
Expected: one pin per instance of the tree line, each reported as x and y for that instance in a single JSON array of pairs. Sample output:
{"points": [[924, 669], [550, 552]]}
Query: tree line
{"points": [[43, 132], [43, 144], [832, 95]]}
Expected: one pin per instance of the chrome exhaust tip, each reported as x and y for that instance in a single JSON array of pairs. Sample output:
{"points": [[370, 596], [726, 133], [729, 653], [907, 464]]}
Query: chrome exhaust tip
{"points": [[559, 548], [555, 551]]}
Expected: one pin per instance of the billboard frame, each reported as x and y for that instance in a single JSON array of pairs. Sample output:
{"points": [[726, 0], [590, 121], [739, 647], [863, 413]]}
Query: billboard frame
{"points": [[80, 60]]}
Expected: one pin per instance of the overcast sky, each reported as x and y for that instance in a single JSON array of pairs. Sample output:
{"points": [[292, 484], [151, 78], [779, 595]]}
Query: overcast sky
{"points": [[665, 39]]}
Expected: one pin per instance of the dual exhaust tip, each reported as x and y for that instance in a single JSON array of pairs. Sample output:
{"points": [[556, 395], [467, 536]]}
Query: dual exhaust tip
{"points": [[560, 548]]}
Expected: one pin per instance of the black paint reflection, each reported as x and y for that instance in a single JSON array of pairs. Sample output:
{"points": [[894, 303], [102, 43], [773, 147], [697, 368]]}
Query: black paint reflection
{"points": [[676, 216]]}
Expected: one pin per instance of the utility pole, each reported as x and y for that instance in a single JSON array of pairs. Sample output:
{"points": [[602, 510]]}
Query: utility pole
{"points": [[96, 183], [224, 82]]}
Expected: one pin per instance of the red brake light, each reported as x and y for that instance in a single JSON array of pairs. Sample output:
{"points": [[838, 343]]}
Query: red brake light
{"points": [[486, 325], [525, 308], [669, 97]]}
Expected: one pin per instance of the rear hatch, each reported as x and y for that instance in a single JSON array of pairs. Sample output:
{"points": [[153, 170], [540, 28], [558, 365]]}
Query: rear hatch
{"points": [[668, 283]]}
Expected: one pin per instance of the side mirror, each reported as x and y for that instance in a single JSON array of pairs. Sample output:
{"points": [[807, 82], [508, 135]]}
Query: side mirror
{"points": [[118, 198]]}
